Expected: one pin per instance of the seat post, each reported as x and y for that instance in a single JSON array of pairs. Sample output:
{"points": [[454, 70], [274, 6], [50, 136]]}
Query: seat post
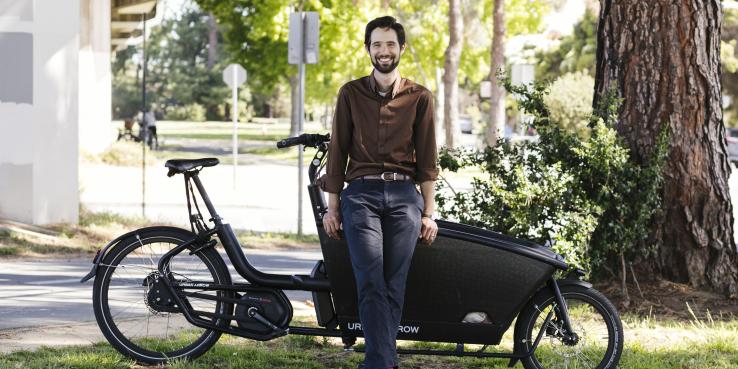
{"points": [[205, 198]]}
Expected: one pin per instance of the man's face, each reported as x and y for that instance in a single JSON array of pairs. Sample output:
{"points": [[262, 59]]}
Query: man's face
{"points": [[384, 49]]}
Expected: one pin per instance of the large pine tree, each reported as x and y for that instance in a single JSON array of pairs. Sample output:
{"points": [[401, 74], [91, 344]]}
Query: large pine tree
{"points": [[663, 59]]}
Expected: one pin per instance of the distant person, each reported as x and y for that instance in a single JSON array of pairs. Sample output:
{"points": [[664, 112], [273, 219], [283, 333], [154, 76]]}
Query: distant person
{"points": [[149, 127], [383, 129]]}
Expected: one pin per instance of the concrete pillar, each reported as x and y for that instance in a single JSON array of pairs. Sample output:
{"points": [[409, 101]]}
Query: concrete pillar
{"points": [[96, 132], [39, 110]]}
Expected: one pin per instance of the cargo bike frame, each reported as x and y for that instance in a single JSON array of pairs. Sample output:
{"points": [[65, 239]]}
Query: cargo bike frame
{"points": [[468, 287]]}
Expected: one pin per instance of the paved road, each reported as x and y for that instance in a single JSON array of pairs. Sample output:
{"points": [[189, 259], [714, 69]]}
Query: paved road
{"points": [[47, 292]]}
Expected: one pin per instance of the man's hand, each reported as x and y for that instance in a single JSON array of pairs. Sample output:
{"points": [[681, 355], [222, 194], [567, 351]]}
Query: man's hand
{"points": [[332, 223], [332, 219], [428, 230]]}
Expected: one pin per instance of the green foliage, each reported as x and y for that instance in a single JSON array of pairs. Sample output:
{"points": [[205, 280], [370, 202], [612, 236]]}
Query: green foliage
{"points": [[584, 195], [577, 52], [190, 112], [178, 80], [256, 35], [570, 102]]}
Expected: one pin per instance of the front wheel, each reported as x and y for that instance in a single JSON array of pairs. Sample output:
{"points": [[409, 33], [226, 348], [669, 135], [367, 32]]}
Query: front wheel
{"points": [[597, 342], [133, 308]]}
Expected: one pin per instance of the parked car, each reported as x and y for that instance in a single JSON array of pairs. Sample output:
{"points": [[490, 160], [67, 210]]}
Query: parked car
{"points": [[731, 135]]}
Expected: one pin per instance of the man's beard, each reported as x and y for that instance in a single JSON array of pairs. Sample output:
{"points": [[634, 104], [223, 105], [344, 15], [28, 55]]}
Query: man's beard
{"points": [[386, 69]]}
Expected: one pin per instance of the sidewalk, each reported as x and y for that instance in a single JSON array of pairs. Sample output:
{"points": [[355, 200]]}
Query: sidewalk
{"points": [[264, 198]]}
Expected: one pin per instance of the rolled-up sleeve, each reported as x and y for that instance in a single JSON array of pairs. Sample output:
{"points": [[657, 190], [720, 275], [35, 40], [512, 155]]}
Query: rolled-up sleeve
{"points": [[424, 140], [338, 148]]}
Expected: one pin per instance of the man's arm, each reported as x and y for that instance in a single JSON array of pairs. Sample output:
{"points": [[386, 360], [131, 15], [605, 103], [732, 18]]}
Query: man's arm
{"points": [[424, 138], [336, 163], [428, 190]]}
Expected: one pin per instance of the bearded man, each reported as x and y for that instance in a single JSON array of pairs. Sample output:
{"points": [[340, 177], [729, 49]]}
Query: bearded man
{"points": [[383, 144]]}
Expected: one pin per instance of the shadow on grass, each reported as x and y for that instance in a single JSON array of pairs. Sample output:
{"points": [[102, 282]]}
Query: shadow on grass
{"points": [[299, 352]]}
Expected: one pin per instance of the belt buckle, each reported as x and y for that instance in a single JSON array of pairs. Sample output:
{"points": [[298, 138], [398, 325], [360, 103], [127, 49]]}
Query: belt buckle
{"points": [[394, 176]]}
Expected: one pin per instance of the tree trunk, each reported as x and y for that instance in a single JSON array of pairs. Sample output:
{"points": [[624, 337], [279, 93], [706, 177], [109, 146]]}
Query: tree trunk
{"points": [[295, 96], [663, 59], [212, 41], [497, 98], [450, 71]]}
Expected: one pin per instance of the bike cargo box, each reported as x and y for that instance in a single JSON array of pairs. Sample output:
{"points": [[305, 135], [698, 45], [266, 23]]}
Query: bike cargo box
{"points": [[467, 271]]}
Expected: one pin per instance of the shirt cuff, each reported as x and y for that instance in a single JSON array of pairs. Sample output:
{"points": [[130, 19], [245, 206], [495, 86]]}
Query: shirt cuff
{"points": [[428, 174], [331, 183]]}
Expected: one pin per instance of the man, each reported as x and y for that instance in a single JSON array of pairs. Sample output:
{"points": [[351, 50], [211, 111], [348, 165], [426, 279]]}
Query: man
{"points": [[383, 125]]}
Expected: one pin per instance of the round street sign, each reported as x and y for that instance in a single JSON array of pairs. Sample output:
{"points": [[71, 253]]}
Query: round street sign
{"points": [[234, 75]]}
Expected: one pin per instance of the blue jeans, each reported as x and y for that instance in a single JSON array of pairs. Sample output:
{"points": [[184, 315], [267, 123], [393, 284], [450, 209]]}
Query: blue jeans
{"points": [[381, 223]]}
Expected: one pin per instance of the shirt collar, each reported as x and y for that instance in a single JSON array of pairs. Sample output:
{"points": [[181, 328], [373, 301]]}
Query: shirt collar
{"points": [[395, 87]]}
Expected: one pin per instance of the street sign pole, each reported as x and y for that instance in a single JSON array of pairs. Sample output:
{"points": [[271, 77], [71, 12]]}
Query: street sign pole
{"points": [[144, 127], [302, 48], [300, 120], [234, 114], [234, 75]]}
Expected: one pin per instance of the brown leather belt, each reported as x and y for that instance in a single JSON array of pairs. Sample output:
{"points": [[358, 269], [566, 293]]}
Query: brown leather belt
{"points": [[388, 177]]}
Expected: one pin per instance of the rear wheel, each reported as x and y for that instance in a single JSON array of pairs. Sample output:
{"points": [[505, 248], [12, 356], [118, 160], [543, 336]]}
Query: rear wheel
{"points": [[133, 308], [597, 342]]}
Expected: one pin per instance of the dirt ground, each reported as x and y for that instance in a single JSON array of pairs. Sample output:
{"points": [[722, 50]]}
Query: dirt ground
{"points": [[668, 300]]}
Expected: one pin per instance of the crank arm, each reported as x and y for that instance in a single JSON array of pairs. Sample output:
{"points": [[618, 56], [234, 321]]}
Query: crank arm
{"points": [[254, 313]]}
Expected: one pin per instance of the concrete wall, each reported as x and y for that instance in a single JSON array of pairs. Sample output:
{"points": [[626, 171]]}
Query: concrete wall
{"points": [[96, 132], [39, 110]]}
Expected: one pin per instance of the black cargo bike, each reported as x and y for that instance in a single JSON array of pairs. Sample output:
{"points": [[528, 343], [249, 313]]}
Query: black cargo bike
{"points": [[163, 293]]}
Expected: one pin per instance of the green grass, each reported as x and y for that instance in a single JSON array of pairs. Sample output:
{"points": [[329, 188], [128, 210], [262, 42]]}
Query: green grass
{"points": [[649, 344], [277, 240], [96, 229], [270, 138], [126, 153]]}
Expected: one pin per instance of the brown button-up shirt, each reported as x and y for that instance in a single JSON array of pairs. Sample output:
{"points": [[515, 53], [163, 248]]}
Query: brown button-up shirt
{"points": [[376, 134]]}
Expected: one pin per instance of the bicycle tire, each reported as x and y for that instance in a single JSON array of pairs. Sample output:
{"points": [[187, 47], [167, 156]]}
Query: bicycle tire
{"points": [[591, 315], [120, 297]]}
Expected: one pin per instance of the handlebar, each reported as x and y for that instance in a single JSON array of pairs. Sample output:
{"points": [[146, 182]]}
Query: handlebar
{"points": [[306, 139]]}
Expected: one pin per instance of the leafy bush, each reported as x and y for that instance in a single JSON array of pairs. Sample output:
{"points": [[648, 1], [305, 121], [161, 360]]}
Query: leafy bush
{"points": [[586, 196], [570, 102], [191, 112]]}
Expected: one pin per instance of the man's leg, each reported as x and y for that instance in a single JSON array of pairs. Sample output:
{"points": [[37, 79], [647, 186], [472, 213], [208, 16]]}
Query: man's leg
{"points": [[401, 228], [361, 205]]}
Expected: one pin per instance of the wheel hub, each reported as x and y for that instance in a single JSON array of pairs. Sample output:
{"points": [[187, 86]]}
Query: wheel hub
{"points": [[158, 298], [570, 339]]}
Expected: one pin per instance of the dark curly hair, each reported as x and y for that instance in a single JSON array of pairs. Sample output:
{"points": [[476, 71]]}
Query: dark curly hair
{"points": [[384, 22]]}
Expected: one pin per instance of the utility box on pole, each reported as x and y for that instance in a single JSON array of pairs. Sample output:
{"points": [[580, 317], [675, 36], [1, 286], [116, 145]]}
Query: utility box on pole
{"points": [[303, 41]]}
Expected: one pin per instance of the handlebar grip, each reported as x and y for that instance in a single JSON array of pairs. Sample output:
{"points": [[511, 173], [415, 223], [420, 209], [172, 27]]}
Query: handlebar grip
{"points": [[287, 142], [304, 139]]}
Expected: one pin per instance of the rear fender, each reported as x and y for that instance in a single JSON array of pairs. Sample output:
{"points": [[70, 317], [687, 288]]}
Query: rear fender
{"points": [[102, 252]]}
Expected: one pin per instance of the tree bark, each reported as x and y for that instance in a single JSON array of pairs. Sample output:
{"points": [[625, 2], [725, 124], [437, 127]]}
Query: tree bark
{"points": [[497, 98], [212, 41], [450, 71], [663, 59]]}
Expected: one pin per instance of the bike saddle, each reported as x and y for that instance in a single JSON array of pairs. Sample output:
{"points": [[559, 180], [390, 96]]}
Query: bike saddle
{"points": [[177, 166]]}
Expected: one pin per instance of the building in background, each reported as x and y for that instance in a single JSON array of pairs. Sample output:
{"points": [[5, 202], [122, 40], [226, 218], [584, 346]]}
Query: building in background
{"points": [[55, 97]]}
